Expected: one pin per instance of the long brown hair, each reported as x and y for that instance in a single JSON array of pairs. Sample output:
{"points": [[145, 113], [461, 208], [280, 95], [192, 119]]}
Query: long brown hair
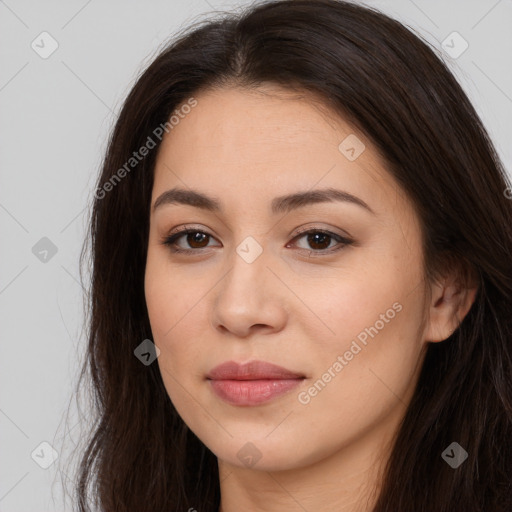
{"points": [[392, 86]]}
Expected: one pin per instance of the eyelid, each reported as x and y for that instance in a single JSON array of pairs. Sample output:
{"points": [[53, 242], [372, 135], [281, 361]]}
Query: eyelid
{"points": [[304, 229], [185, 227], [307, 229]]}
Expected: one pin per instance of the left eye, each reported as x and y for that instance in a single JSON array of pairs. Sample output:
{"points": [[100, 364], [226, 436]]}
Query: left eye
{"points": [[319, 241]]}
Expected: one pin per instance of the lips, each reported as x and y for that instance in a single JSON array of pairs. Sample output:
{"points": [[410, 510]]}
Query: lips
{"points": [[253, 383], [253, 370]]}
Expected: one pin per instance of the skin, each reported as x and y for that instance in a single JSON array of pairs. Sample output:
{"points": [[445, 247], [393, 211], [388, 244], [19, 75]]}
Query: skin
{"points": [[291, 306]]}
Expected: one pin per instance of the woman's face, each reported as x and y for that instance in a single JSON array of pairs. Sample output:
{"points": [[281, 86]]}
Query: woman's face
{"points": [[341, 307]]}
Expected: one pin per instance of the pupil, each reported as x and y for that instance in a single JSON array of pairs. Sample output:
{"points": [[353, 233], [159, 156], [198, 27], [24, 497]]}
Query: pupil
{"points": [[313, 239], [196, 238]]}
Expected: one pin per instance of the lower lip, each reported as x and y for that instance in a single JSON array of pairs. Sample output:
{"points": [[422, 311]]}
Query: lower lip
{"points": [[252, 392]]}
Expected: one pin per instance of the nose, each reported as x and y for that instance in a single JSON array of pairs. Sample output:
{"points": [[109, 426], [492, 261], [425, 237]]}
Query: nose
{"points": [[250, 299]]}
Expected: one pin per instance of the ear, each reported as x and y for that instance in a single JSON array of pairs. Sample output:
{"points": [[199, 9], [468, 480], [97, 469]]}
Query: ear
{"points": [[451, 299]]}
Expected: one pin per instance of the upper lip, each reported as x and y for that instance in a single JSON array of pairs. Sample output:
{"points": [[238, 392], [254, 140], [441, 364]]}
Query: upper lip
{"points": [[253, 370]]}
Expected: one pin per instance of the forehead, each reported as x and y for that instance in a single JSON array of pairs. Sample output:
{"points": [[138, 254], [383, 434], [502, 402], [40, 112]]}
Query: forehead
{"points": [[249, 118], [265, 142]]}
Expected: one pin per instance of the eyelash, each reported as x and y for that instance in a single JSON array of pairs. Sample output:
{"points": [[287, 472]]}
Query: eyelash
{"points": [[343, 241]]}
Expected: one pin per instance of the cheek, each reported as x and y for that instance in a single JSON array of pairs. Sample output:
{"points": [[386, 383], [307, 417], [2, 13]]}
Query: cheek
{"points": [[370, 364], [356, 386], [340, 311], [169, 300], [366, 333], [172, 310]]}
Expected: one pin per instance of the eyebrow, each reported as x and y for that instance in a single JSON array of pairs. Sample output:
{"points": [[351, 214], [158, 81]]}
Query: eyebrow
{"points": [[281, 204]]}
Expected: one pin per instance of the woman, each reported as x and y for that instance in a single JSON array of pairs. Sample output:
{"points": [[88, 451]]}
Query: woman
{"points": [[302, 280]]}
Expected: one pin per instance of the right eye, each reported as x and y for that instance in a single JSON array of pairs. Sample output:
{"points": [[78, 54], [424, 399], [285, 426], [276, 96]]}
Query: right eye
{"points": [[195, 238]]}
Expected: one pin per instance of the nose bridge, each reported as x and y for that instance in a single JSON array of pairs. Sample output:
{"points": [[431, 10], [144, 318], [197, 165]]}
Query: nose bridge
{"points": [[248, 275], [246, 296]]}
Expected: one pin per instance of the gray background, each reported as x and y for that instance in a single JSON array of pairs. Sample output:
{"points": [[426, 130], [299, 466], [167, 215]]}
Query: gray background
{"points": [[56, 113]]}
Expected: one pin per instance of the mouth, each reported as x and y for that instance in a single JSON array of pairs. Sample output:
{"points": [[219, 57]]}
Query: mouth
{"points": [[252, 383]]}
